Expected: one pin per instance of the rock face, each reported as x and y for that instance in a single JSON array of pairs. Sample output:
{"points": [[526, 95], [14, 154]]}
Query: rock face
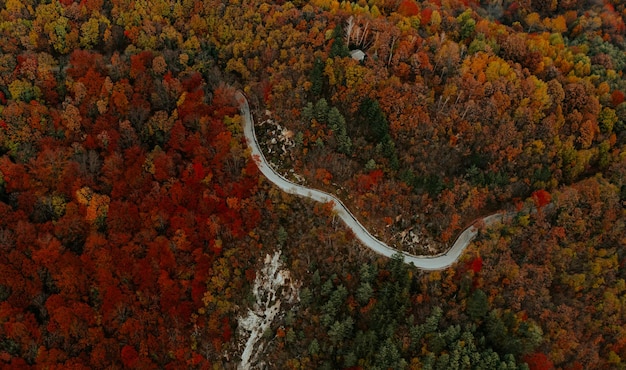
{"points": [[272, 286], [357, 55]]}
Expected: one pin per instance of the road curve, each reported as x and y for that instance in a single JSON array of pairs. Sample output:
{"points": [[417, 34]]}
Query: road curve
{"points": [[437, 262]]}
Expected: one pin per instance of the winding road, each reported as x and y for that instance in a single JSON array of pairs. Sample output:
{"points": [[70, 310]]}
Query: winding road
{"points": [[437, 262]]}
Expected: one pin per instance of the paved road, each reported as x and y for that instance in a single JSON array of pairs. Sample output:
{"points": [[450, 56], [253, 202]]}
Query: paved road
{"points": [[438, 262]]}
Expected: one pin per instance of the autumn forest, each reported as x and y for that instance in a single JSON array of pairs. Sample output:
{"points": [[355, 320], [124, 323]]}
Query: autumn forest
{"points": [[136, 230]]}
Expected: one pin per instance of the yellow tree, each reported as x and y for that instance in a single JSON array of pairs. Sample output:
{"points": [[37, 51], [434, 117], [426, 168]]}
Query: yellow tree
{"points": [[90, 31]]}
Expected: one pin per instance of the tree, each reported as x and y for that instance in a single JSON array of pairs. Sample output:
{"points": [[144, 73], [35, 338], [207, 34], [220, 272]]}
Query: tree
{"points": [[477, 305], [338, 47], [317, 78], [538, 361], [408, 8]]}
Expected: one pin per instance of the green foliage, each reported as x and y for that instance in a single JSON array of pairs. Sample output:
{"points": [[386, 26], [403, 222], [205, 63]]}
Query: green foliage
{"points": [[368, 272], [467, 24], [482, 43], [389, 357], [375, 118], [314, 347], [599, 46], [318, 81], [282, 235], [607, 119], [338, 48], [341, 330], [320, 110], [364, 293], [371, 113], [159, 243], [290, 337], [323, 113], [433, 184], [477, 305], [327, 288]]}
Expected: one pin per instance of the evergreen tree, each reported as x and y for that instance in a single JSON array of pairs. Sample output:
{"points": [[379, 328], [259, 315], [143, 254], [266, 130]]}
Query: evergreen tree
{"points": [[317, 78], [477, 305], [338, 48]]}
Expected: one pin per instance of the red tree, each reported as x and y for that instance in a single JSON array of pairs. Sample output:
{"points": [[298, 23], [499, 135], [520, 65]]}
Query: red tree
{"points": [[541, 198], [408, 8], [538, 361]]}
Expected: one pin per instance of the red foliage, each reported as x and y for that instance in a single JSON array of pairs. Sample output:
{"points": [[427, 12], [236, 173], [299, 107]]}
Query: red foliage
{"points": [[267, 91], [513, 7], [477, 264], [617, 97], [82, 61], [129, 356], [226, 330], [193, 107], [198, 171], [541, 198], [408, 8], [154, 242], [193, 82], [426, 14], [366, 182], [538, 361], [612, 20], [139, 63]]}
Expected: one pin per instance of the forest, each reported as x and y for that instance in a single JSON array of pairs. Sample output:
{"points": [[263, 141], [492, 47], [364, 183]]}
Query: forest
{"points": [[135, 227]]}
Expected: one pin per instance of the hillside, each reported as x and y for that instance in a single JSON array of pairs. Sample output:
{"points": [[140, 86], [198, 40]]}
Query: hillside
{"points": [[136, 230]]}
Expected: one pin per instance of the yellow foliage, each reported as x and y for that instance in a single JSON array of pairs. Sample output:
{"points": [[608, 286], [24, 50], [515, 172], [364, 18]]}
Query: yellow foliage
{"points": [[524, 220], [84, 195], [582, 69], [191, 44], [540, 95], [434, 276], [329, 72], [148, 165], [435, 18], [57, 32], [97, 204], [374, 11], [603, 88], [497, 69], [23, 90], [14, 6], [90, 32], [183, 59], [331, 6], [238, 65], [58, 205], [533, 21], [181, 100], [559, 25], [354, 75]]}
